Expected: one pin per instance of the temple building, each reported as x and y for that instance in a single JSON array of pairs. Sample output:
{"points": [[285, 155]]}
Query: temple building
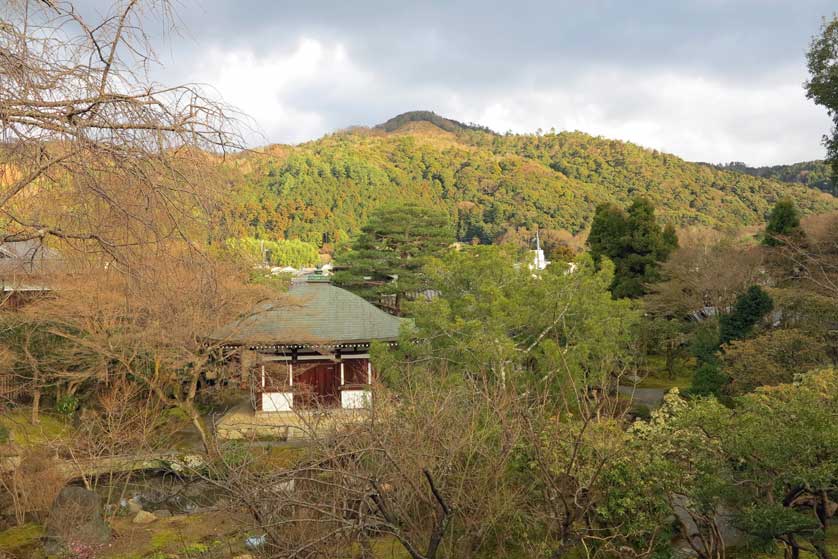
{"points": [[310, 349]]}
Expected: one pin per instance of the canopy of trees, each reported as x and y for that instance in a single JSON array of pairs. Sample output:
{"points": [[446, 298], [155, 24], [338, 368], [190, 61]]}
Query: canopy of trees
{"points": [[822, 86], [634, 241], [394, 246], [324, 191], [811, 173], [295, 253]]}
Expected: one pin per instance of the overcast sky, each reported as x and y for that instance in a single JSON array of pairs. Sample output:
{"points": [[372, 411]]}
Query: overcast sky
{"points": [[708, 80]]}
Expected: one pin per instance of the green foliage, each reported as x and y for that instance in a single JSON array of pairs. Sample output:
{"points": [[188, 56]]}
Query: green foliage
{"points": [[322, 192], [196, 549], [394, 246], [765, 460], [634, 241], [5, 434], [768, 523], [749, 309], [17, 537], [811, 313], [705, 342], [294, 253], [708, 380], [822, 87], [784, 221], [163, 539], [814, 174], [67, 405], [777, 449], [772, 358], [494, 319], [446, 124]]}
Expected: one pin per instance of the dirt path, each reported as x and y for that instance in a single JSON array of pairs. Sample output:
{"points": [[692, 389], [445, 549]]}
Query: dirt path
{"points": [[651, 397]]}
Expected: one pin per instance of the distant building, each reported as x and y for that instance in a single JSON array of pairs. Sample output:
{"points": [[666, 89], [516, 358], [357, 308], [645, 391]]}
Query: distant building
{"points": [[25, 270], [311, 350], [539, 262]]}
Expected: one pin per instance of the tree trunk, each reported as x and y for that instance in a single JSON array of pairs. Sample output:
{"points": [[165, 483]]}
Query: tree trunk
{"points": [[670, 362], [200, 426], [36, 406], [792, 548]]}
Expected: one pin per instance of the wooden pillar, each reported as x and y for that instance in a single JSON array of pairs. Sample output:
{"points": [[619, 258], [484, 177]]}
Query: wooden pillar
{"points": [[369, 372], [245, 361]]}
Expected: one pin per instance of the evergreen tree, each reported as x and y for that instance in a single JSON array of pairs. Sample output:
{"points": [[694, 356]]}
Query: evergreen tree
{"points": [[392, 249], [608, 232], [784, 221], [750, 307], [708, 377], [634, 241], [708, 380]]}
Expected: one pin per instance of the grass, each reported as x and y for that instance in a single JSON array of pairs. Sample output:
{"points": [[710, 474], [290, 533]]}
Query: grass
{"points": [[20, 536], [163, 539], [681, 383], [185, 537], [23, 433], [655, 375], [777, 553], [281, 457]]}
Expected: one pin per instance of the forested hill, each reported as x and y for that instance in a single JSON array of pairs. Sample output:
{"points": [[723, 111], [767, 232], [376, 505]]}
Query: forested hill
{"points": [[322, 191], [811, 173]]}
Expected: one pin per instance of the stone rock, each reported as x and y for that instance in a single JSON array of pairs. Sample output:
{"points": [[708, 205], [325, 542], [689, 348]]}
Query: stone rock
{"points": [[162, 513], [134, 506], [255, 542], [144, 517], [75, 518]]}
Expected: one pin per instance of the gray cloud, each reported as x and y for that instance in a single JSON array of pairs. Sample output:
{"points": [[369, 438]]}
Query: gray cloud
{"points": [[705, 79]]}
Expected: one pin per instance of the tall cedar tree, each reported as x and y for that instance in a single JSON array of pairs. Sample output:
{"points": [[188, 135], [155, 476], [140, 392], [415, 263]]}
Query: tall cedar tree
{"points": [[389, 255], [784, 221], [634, 241], [750, 307], [822, 87]]}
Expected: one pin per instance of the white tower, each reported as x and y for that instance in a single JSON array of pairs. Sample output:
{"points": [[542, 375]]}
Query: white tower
{"points": [[539, 262]]}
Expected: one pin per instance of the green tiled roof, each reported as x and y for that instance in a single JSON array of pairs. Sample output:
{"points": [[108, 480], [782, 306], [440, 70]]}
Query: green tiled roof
{"points": [[313, 313]]}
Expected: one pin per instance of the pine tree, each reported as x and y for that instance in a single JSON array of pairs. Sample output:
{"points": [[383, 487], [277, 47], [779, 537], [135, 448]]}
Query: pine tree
{"points": [[784, 221], [750, 307], [392, 249], [634, 241]]}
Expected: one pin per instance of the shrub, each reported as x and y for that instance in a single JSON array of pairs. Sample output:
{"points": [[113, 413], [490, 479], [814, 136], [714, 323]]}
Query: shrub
{"points": [[708, 380]]}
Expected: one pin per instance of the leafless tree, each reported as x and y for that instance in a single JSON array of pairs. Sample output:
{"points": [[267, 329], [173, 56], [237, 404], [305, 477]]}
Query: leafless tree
{"points": [[811, 260], [94, 154], [709, 269], [153, 326], [426, 471], [448, 467]]}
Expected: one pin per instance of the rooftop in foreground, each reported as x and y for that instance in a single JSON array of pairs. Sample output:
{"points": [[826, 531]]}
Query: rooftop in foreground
{"points": [[315, 312]]}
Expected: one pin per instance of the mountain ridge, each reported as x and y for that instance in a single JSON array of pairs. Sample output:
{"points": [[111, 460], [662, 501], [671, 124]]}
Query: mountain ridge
{"points": [[322, 191]]}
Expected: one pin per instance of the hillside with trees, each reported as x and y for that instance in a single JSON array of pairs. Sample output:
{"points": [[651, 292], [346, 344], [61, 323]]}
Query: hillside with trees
{"points": [[665, 389], [323, 191], [810, 173]]}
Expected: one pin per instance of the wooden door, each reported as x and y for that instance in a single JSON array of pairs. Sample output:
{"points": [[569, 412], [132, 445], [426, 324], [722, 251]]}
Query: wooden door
{"points": [[316, 384]]}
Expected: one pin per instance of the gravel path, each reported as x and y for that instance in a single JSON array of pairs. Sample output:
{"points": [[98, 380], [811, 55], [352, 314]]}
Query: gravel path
{"points": [[651, 397]]}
